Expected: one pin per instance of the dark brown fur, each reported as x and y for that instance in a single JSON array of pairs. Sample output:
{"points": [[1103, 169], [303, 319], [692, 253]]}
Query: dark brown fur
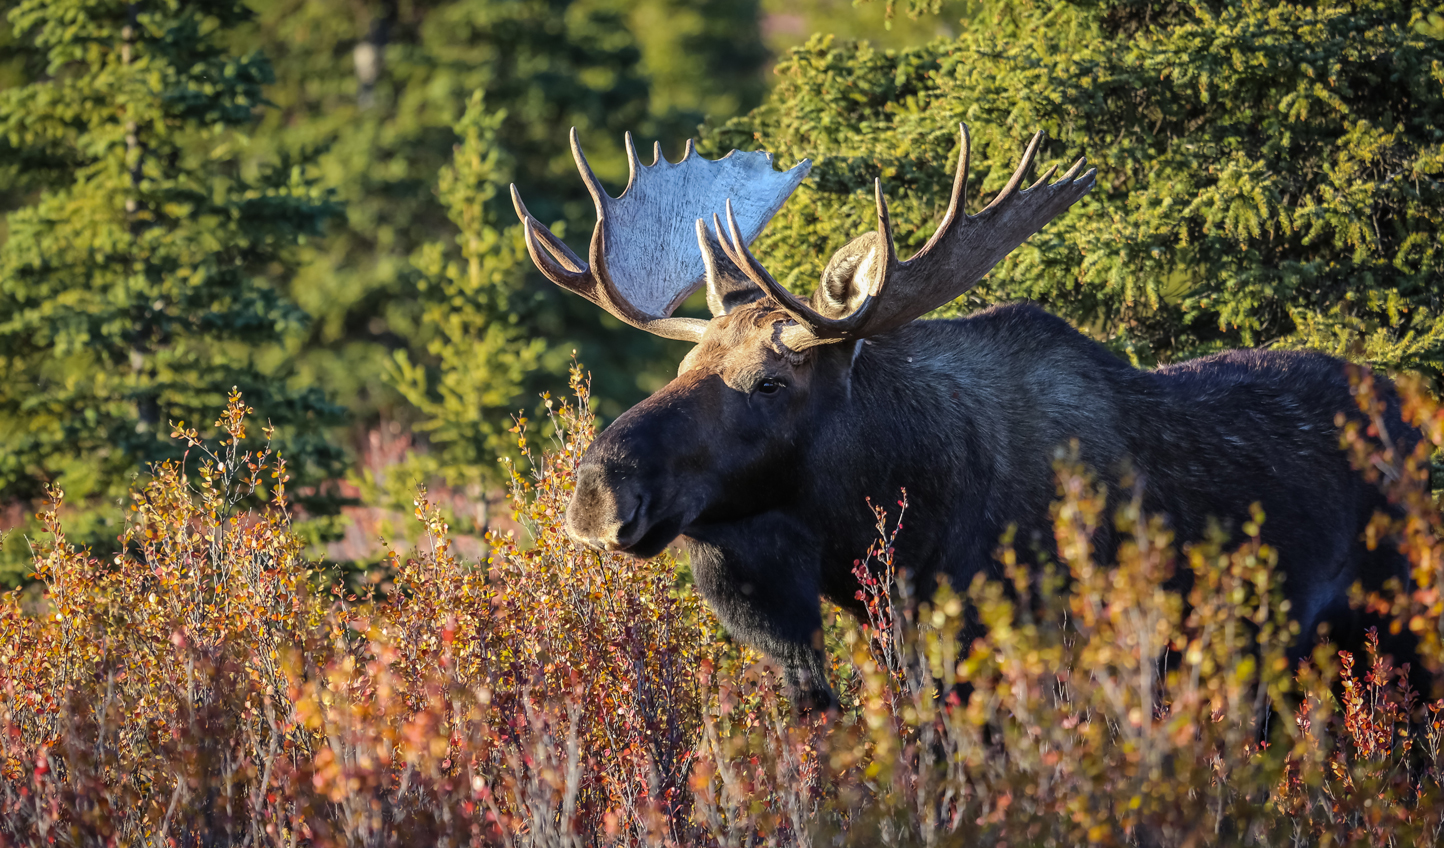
{"points": [[768, 489]]}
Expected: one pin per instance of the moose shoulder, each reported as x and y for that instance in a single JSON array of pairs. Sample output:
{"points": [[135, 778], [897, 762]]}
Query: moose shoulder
{"points": [[789, 414]]}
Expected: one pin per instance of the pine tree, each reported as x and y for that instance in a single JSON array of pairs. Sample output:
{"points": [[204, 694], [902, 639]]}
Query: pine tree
{"points": [[478, 302], [137, 283], [20, 63], [1268, 174], [374, 91]]}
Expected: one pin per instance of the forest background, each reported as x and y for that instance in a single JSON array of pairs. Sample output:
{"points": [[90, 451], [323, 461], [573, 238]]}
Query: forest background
{"points": [[306, 199]]}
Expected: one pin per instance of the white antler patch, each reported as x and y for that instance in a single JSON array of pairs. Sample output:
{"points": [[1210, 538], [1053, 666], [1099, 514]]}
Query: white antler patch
{"points": [[651, 239], [644, 257]]}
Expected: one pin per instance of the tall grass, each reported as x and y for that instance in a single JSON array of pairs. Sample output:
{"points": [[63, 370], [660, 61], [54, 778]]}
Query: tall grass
{"points": [[208, 687]]}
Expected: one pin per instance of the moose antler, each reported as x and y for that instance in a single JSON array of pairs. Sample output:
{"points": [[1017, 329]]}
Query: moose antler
{"points": [[960, 252], [644, 253]]}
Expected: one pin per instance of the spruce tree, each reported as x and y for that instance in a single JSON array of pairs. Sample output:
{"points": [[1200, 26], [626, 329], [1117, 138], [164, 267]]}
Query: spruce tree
{"points": [[373, 92], [138, 280], [482, 310], [1268, 174]]}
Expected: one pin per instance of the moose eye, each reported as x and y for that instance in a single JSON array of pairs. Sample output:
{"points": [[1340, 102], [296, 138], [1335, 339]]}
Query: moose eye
{"points": [[769, 387]]}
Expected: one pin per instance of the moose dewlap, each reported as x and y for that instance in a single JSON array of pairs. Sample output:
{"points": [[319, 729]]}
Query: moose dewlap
{"points": [[789, 413]]}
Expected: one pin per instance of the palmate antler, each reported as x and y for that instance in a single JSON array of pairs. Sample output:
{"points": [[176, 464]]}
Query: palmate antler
{"points": [[644, 257], [962, 250]]}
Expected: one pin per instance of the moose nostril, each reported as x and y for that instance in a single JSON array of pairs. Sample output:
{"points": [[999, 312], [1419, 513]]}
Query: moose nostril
{"points": [[627, 519], [603, 514], [628, 509]]}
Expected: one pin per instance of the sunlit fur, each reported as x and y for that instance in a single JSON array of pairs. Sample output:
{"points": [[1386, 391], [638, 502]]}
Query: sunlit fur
{"points": [[769, 491]]}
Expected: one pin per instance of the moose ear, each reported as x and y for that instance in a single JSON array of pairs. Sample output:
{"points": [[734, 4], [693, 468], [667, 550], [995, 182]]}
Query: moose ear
{"points": [[727, 287], [848, 277]]}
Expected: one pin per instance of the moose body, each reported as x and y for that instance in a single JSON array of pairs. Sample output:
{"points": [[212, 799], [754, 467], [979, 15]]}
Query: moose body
{"points": [[789, 415], [968, 415]]}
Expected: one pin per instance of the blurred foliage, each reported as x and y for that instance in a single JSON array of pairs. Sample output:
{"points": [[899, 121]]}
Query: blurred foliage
{"points": [[884, 24], [1268, 174], [140, 276], [353, 108], [373, 92], [481, 307], [20, 62], [207, 687]]}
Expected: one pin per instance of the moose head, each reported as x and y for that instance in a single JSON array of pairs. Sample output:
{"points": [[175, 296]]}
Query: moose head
{"points": [[722, 441]]}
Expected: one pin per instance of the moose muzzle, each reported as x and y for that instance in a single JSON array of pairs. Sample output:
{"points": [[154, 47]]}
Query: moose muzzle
{"points": [[605, 514], [645, 477]]}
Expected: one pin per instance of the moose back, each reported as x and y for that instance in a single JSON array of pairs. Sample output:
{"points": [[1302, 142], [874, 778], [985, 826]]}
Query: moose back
{"points": [[789, 414]]}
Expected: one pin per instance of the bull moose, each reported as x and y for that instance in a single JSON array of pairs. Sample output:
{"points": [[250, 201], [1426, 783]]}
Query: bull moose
{"points": [[789, 413]]}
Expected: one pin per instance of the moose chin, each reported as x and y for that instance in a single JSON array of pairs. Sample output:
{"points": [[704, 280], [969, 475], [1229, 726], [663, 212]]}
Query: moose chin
{"points": [[789, 413]]}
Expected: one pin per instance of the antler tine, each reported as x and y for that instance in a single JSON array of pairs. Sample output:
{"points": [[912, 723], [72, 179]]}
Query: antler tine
{"points": [[958, 198], [818, 325], [594, 185], [725, 281], [551, 255], [1077, 166], [885, 243], [1017, 178], [633, 163], [723, 241], [962, 249], [709, 260], [736, 250], [1043, 180]]}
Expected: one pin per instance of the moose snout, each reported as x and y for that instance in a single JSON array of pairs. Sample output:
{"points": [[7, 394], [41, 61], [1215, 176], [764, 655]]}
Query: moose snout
{"points": [[605, 512]]}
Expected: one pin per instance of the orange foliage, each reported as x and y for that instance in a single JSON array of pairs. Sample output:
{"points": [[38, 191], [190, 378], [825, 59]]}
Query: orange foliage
{"points": [[210, 686]]}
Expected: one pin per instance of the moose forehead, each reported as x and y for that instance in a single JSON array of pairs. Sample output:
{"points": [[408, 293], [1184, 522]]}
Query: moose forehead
{"points": [[743, 346]]}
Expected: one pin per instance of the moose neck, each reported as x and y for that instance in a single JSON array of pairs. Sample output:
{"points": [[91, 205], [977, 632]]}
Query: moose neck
{"points": [[965, 411]]}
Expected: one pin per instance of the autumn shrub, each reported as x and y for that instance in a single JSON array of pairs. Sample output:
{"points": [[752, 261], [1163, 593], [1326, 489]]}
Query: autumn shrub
{"points": [[208, 686]]}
